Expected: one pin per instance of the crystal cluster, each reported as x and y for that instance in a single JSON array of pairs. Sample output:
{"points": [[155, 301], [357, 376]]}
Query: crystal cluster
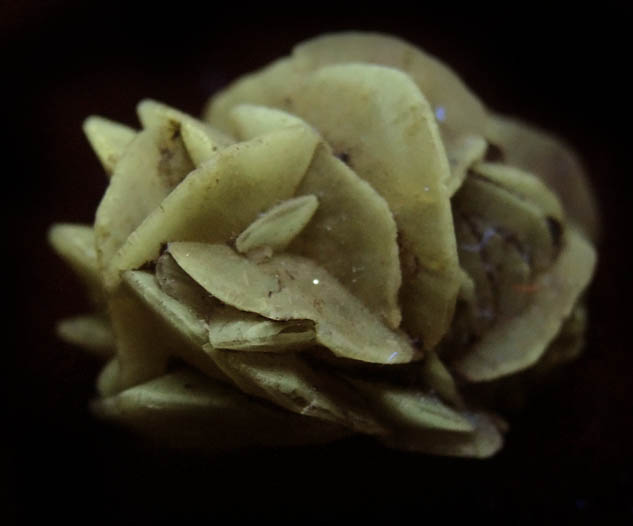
{"points": [[346, 242]]}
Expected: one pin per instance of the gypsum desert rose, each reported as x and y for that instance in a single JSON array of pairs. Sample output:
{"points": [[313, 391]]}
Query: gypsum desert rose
{"points": [[347, 242]]}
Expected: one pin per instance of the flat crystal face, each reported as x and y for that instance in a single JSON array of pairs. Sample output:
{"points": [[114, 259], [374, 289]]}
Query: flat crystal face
{"points": [[329, 250]]}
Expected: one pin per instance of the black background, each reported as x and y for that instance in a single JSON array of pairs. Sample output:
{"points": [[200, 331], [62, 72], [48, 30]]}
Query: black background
{"points": [[567, 455]]}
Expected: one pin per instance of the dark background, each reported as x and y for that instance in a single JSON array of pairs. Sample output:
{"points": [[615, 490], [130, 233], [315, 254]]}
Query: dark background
{"points": [[567, 455]]}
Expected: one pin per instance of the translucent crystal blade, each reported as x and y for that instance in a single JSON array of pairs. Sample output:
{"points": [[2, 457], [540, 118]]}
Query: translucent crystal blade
{"points": [[76, 245], [520, 342], [185, 409], [411, 408], [236, 330], [153, 165], [108, 139], [91, 332], [290, 287], [200, 139], [540, 153], [484, 442], [290, 382], [278, 226]]}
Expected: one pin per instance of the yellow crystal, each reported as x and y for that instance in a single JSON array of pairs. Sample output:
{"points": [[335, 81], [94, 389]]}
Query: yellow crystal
{"points": [[329, 251]]}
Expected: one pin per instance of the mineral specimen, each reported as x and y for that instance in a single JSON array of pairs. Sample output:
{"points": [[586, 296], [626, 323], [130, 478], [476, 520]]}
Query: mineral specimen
{"points": [[330, 250]]}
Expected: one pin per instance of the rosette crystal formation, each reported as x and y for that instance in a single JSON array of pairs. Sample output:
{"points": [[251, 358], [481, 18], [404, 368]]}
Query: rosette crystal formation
{"points": [[347, 242]]}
